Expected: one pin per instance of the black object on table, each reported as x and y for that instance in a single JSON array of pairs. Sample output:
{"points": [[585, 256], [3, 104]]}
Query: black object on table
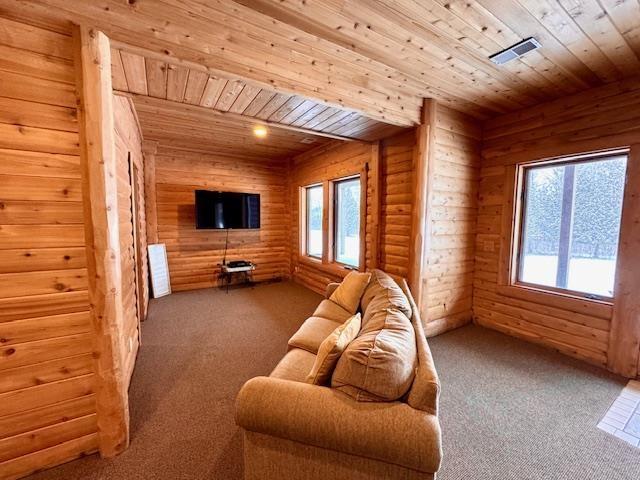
{"points": [[227, 272]]}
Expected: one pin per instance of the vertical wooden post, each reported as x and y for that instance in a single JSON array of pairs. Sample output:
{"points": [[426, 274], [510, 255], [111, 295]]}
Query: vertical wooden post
{"points": [[624, 337], [364, 181], [149, 149], [327, 222], [375, 186], [99, 190], [421, 212]]}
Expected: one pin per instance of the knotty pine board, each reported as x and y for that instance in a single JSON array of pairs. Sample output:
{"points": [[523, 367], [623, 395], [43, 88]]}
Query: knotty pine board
{"points": [[129, 143], [47, 405]]}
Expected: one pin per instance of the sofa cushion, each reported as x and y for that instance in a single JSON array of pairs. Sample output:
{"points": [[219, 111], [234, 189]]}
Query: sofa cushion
{"points": [[295, 365], [383, 287], [331, 349], [349, 292], [332, 311], [312, 333], [379, 365]]}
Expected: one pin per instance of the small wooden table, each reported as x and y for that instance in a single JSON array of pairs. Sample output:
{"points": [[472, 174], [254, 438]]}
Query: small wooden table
{"points": [[227, 273]]}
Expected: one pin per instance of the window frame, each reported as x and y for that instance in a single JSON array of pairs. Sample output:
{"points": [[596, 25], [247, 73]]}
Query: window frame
{"points": [[512, 264], [333, 233], [304, 215], [328, 260]]}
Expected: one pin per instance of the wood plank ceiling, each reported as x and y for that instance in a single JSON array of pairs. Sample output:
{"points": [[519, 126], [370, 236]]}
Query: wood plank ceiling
{"points": [[188, 127], [139, 75], [379, 58]]}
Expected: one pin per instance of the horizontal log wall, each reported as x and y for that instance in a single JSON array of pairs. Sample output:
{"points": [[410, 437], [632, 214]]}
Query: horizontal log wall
{"points": [[47, 381], [453, 204], [396, 199], [193, 254], [326, 163], [128, 141], [602, 118]]}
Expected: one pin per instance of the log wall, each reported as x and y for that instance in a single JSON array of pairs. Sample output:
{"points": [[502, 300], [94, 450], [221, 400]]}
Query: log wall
{"points": [[47, 380], [396, 199], [128, 143], [603, 118], [451, 215], [193, 254]]}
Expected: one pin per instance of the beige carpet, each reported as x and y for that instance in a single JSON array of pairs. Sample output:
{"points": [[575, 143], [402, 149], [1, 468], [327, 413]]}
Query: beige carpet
{"points": [[510, 410]]}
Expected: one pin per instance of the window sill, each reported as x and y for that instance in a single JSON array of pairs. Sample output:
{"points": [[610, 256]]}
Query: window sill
{"points": [[337, 269], [588, 306]]}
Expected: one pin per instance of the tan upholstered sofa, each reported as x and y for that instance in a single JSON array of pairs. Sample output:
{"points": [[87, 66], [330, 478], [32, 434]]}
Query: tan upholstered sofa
{"points": [[296, 430]]}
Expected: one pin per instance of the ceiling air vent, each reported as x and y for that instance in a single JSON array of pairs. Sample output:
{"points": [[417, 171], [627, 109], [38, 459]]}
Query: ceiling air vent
{"points": [[515, 51]]}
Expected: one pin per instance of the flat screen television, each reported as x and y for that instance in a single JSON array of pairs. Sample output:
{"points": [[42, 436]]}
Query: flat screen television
{"points": [[223, 210]]}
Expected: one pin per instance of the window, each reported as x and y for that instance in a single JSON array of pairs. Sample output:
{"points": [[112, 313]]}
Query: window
{"points": [[570, 224], [313, 214], [346, 229]]}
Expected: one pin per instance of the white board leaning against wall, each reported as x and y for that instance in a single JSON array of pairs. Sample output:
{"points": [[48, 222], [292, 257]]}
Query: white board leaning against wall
{"points": [[159, 270]]}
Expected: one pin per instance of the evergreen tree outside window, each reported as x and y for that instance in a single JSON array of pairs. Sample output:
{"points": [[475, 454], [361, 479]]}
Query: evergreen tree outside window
{"points": [[571, 223], [347, 221]]}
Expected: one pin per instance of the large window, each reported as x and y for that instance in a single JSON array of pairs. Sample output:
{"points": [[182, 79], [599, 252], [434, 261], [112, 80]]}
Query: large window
{"points": [[570, 224], [313, 215], [346, 228]]}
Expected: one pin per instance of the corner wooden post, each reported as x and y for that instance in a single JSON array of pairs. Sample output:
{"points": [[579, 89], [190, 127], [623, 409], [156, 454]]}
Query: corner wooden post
{"points": [[375, 185], [149, 149], [99, 190], [421, 212], [624, 337]]}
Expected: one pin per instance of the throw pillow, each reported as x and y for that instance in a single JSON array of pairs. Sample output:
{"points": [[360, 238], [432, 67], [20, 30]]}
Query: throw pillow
{"points": [[330, 350], [349, 292]]}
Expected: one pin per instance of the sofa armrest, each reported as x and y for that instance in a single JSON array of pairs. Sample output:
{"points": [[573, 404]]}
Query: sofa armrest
{"points": [[392, 432], [331, 287]]}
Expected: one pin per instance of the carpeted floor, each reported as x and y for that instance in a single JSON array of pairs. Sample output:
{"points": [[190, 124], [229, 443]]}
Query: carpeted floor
{"points": [[509, 410]]}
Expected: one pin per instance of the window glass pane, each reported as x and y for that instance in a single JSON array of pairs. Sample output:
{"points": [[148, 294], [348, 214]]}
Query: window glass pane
{"points": [[347, 222], [571, 225], [314, 221]]}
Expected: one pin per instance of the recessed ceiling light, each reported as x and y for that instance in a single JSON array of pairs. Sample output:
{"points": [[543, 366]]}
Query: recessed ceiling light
{"points": [[515, 51], [260, 131]]}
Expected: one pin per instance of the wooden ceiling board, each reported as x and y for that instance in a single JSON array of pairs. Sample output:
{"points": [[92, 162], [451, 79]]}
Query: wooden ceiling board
{"points": [[376, 58], [176, 82], [185, 126]]}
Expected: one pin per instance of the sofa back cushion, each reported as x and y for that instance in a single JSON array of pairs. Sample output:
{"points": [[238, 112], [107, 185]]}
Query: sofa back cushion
{"points": [[379, 365], [349, 292], [330, 350], [383, 288]]}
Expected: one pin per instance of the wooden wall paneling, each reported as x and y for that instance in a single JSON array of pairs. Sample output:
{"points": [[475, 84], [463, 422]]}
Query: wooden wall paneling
{"points": [[374, 193], [47, 371], [99, 175], [396, 158], [422, 188], [149, 148], [452, 218], [194, 255], [131, 213], [576, 124], [624, 340]]}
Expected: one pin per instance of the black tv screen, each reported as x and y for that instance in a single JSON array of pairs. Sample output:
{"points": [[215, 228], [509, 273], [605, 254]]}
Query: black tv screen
{"points": [[222, 210]]}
